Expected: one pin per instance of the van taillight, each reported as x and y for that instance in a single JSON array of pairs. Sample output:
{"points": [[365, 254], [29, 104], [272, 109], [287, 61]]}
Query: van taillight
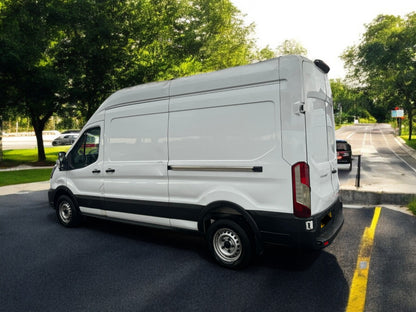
{"points": [[301, 190]]}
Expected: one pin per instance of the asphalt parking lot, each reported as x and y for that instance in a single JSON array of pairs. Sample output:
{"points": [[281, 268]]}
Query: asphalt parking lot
{"points": [[107, 266]]}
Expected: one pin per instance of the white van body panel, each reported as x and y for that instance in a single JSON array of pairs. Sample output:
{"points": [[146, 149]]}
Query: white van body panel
{"points": [[137, 152], [218, 136], [292, 121]]}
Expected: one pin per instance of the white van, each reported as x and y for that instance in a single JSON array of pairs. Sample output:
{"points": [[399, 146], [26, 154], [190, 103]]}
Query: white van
{"points": [[244, 155]]}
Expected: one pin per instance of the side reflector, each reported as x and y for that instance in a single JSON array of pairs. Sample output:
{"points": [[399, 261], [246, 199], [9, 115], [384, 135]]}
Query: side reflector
{"points": [[301, 190]]}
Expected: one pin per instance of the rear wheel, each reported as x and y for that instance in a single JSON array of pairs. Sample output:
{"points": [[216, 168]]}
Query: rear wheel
{"points": [[67, 213], [230, 244]]}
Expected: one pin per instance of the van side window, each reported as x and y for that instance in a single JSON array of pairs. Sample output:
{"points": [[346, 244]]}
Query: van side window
{"points": [[85, 152]]}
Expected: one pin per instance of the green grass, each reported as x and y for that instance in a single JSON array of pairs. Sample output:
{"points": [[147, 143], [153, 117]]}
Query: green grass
{"points": [[412, 206], [14, 158], [412, 142], [24, 176]]}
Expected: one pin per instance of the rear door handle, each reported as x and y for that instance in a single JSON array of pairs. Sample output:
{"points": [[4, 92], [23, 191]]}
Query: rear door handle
{"points": [[96, 171], [334, 170], [110, 170]]}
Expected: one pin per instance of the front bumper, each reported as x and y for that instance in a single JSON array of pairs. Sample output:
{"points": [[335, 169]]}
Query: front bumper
{"points": [[51, 198]]}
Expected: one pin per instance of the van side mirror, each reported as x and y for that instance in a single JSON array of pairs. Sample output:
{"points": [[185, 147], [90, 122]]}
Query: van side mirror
{"points": [[62, 160]]}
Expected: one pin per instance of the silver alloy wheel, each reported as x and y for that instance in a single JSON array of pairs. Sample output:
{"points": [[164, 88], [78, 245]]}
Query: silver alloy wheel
{"points": [[65, 211], [227, 245]]}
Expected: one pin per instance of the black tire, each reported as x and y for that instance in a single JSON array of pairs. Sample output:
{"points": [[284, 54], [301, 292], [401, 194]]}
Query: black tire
{"points": [[230, 244], [67, 212]]}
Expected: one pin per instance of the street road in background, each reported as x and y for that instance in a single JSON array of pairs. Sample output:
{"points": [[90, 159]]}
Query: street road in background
{"points": [[386, 164], [25, 142]]}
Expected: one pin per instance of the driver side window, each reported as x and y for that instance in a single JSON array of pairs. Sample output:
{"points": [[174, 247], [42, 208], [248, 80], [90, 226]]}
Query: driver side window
{"points": [[85, 152]]}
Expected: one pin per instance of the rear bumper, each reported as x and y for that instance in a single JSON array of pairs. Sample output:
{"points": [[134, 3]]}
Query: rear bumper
{"points": [[344, 161], [315, 232]]}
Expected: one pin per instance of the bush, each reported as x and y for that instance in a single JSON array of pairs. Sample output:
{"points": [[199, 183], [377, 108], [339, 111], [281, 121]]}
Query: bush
{"points": [[412, 206]]}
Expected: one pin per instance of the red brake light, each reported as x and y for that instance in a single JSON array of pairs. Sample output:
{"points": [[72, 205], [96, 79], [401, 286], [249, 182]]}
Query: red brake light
{"points": [[301, 190]]}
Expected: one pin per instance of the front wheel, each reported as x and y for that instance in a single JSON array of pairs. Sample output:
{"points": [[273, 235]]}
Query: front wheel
{"points": [[230, 244], [67, 213]]}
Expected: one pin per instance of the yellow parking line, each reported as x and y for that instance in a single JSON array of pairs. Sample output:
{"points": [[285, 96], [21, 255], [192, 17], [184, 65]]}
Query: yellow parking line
{"points": [[356, 301]]}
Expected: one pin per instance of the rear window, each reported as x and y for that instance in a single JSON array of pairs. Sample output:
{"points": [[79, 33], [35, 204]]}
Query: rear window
{"points": [[315, 82], [320, 111], [342, 146]]}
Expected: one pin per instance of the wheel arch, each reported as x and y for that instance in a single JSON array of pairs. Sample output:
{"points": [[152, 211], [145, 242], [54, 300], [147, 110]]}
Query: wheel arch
{"points": [[63, 190], [223, 210]]}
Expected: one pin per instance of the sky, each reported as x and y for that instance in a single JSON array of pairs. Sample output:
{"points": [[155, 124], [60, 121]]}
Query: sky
{"points": [[325, 28]]}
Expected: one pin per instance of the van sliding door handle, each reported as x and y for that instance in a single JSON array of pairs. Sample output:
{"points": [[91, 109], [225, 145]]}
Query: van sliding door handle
{"points": [[96, 171], [109, 170]]}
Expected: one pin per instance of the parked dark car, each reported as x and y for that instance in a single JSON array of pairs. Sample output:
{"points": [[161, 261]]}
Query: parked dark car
{"points": [[344, 153]]}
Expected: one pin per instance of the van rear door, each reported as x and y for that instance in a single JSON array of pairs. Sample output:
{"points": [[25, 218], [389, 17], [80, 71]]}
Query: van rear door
{"points": [[320, 137]]}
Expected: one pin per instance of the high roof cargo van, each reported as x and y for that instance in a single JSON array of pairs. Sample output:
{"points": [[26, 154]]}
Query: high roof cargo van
{"points": [[245, 156]]}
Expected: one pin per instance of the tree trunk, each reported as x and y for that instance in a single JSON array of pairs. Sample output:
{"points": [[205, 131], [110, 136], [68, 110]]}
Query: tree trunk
{"points": [[410, 123], [1, 139], [38, 125], [39, 139]]}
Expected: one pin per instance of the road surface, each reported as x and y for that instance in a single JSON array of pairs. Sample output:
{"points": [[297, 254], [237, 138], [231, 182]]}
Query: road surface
{"points": [[108, 266], [386, 164], [25, 142]]}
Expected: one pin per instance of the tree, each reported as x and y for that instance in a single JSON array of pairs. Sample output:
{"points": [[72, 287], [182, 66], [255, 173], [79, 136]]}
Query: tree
{"points": [[68, 56], [287, 47], [291, 47], [354, 101], [92, 52], [265, 54], [28, 77], [107, 47], [384, 63]]}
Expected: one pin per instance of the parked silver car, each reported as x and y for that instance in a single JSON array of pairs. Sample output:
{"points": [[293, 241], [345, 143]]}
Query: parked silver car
{"points": [[65, 139]]}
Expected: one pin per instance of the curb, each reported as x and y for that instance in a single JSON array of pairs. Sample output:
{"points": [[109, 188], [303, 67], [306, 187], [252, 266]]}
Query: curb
{"points": [[25, 167], [24, 188], [375, 198]]}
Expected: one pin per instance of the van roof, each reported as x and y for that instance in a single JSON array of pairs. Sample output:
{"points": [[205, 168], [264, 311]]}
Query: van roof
{"points": [[240, 76]]}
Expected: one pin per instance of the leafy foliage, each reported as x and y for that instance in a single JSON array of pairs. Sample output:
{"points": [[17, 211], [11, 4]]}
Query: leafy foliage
{"points": [[354, 103], [28, 75], [291, 47], [384, 63], [287, 47], [66, 57]]}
